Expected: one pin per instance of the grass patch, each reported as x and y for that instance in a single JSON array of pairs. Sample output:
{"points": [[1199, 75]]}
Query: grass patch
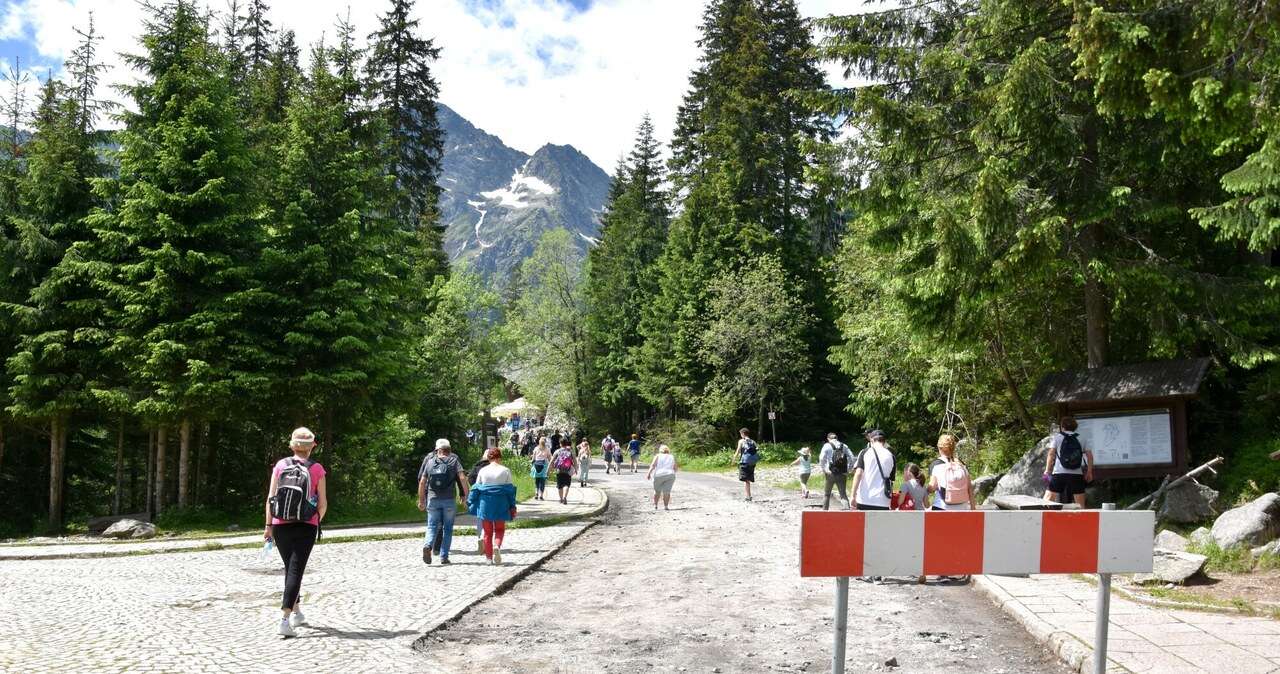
{"points": [[1238, 559], [1249, 472]]}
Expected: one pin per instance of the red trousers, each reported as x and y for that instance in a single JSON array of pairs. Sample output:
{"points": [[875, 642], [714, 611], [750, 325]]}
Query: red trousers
{"points": [[493, 531]]}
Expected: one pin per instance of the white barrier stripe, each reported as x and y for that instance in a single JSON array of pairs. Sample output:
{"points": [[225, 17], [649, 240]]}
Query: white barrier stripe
{"points": [[893, 544], [1125, 540], [1011, 543]]}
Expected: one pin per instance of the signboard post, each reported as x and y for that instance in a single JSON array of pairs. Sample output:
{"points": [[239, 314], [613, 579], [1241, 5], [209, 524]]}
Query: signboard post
{"points": [[841, 545], [773, 417]]}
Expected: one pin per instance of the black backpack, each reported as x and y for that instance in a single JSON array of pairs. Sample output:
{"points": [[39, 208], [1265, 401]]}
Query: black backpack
{"points": [[292, 500], [440, 473], [839, 459], [474, 475], [1070, 451]]}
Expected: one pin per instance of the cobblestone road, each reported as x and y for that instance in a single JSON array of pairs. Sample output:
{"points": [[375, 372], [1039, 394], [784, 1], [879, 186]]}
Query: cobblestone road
{"points": [[217, 611]]}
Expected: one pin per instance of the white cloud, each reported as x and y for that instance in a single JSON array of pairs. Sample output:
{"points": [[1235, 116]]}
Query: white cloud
{"points": [[531, 74]]}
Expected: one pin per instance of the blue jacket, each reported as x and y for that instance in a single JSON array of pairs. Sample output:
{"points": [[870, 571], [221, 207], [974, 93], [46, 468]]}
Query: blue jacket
{"points": [[492, 501]]}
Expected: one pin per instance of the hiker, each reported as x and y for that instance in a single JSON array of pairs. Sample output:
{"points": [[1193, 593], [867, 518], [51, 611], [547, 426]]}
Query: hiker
{"points": [[493, 501], [565, 466], [439, 480], [539, 466], [747, 455], [1069, 465], [633, 448], [584, 461], [606, 448], [296, 504], [873, 474], [555, 440], [835, 460], [473, 477], [804, 468], [662, 470], [949, 479]]}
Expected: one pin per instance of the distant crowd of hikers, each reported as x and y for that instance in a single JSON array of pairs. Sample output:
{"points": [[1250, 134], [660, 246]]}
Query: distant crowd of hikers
{"points": [[297, 501]]}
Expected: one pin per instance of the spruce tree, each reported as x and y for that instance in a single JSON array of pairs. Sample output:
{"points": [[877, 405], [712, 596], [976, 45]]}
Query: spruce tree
{"points": [[179, 242], [621, 280], [13, 106], [405, 92]]}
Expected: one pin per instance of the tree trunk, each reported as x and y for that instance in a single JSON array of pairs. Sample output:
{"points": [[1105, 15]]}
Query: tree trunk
{"points": [[1, 444], [57, 455], [1095, 304], [148, 494], [216, 466], [201, 470], [115, 507], [162, 444], [184, 461], [760, 422]]}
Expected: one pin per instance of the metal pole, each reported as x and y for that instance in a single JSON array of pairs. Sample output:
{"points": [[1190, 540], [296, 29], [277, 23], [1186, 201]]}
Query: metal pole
{"points": [[1102, 617], [842, 625], [774, 427]]}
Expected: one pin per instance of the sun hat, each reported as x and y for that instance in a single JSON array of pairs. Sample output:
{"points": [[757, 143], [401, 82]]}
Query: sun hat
{"points": [[302, 436]]}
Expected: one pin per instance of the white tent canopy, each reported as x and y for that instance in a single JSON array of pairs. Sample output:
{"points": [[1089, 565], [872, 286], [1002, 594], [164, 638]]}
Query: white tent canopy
{"points": [[517, 406]]}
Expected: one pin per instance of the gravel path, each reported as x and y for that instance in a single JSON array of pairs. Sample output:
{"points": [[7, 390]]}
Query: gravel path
{"points": [[713, 585]]}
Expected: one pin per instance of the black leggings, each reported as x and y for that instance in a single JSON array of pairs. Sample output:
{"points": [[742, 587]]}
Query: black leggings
{"points": [[294, 542]]}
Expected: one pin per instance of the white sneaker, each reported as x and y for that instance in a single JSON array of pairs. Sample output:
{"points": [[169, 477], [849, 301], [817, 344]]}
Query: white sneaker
{"points": [[296, 619], [497, 556], [286, 630]]}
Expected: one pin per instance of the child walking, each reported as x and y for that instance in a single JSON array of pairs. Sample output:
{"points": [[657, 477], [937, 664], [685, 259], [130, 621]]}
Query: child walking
{"points": [[804, 468]]}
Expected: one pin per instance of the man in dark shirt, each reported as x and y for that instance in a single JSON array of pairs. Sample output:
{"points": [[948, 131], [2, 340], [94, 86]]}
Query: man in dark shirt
{"points": [[439, 479]]}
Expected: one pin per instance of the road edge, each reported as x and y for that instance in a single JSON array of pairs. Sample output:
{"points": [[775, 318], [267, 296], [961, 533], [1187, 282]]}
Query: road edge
{"points": [[214, 546], [419, 644], [1073, 652]]}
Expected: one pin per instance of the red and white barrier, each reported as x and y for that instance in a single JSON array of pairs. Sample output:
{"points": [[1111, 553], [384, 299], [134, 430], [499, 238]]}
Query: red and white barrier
{"points": [[937, 543]]}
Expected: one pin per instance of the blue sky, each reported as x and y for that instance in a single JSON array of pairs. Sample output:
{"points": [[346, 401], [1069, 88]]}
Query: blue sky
{"points": [[579, 72]]}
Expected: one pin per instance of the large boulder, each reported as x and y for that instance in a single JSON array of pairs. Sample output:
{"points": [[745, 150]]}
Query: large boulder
{"points": [[132, 529], [1187, 503], [983, 486], [1169, 540], [1272, 549], [1024, 478], [1171, 566], [97, 525], [1251, 524]]}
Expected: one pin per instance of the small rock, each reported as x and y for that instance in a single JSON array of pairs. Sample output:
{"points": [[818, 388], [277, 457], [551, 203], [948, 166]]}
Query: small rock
{"points": [[1201, 537], [1254, 523], [1272, 548], [1169, 540], [1171, 566], [891, 662]]}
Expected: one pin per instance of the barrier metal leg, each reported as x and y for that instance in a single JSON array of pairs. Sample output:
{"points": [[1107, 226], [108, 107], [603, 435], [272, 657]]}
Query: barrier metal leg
{"points": [[842, 625], [1102, 616]]}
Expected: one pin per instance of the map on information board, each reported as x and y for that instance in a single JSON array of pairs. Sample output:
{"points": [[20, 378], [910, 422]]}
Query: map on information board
{"points": [[1132, 438]]}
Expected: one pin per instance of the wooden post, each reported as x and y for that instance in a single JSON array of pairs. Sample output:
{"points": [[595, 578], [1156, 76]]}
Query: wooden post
{"points": [[115, 506], [162, 444], [55, 474], [184, 461]]}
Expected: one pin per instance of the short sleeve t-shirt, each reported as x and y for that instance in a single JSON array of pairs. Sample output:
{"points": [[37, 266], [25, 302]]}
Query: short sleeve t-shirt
{"points": [[634, 446], [871, 489], [317, 472], [1058, 468], [938, 473], [918, 494], [430, 464]]}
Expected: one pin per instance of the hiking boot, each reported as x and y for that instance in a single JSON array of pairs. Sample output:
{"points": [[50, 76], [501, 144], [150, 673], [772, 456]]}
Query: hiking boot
{"points": [[444, 561], [286, 630], [426, 554]]}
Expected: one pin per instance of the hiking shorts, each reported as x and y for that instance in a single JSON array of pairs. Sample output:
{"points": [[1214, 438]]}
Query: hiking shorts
{"points": [[746, 473], [662, 483], [1067, 485], [563, 480]]}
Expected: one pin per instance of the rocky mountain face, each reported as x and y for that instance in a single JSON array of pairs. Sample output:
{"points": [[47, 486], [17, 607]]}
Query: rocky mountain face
{"points": [[497, 202]]}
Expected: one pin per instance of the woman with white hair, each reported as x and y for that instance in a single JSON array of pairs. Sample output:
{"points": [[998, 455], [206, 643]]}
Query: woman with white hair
{"points": [[663, 473], [296, 503]]}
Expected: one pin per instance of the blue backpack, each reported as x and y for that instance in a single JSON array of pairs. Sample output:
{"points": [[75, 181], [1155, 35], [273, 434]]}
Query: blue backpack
{"points": [[750, 453]]}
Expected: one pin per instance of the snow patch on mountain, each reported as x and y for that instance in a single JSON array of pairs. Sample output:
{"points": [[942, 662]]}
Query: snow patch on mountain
{"points": [[522, 186]]}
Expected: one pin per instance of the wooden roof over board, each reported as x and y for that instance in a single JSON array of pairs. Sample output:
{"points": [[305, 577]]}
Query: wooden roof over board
{"points": [[1167, 379]]}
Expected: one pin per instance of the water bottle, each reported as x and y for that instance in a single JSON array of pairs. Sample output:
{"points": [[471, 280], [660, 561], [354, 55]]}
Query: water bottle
{"points": [[264, 555]]}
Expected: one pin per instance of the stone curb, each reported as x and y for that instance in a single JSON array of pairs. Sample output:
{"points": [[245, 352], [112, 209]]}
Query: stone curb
{"points": [[420, 644], [1075, 653], [212, 545]]}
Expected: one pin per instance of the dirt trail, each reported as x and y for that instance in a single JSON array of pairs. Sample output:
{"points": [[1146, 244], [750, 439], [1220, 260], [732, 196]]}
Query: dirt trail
{"points": [[713, 586]]}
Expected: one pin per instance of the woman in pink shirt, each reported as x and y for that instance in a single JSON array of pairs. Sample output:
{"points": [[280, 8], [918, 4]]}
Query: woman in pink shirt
{"points": [[296, 503]]}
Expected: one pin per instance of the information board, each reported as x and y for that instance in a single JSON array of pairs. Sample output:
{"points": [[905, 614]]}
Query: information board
{"points": [[1131, 438]]}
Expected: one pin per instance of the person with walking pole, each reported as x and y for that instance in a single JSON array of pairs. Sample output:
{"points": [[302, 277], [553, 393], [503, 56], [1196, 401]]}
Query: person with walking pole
{"points": [[296, 504]]}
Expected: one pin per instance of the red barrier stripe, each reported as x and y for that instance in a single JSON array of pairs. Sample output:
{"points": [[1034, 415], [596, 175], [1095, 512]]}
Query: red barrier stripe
{"points": [[831, 544], [1069, 542], [953, 543]]}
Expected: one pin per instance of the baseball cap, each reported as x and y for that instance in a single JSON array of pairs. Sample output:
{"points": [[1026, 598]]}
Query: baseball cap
{"points": [[442, 444], [876, 435]]}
